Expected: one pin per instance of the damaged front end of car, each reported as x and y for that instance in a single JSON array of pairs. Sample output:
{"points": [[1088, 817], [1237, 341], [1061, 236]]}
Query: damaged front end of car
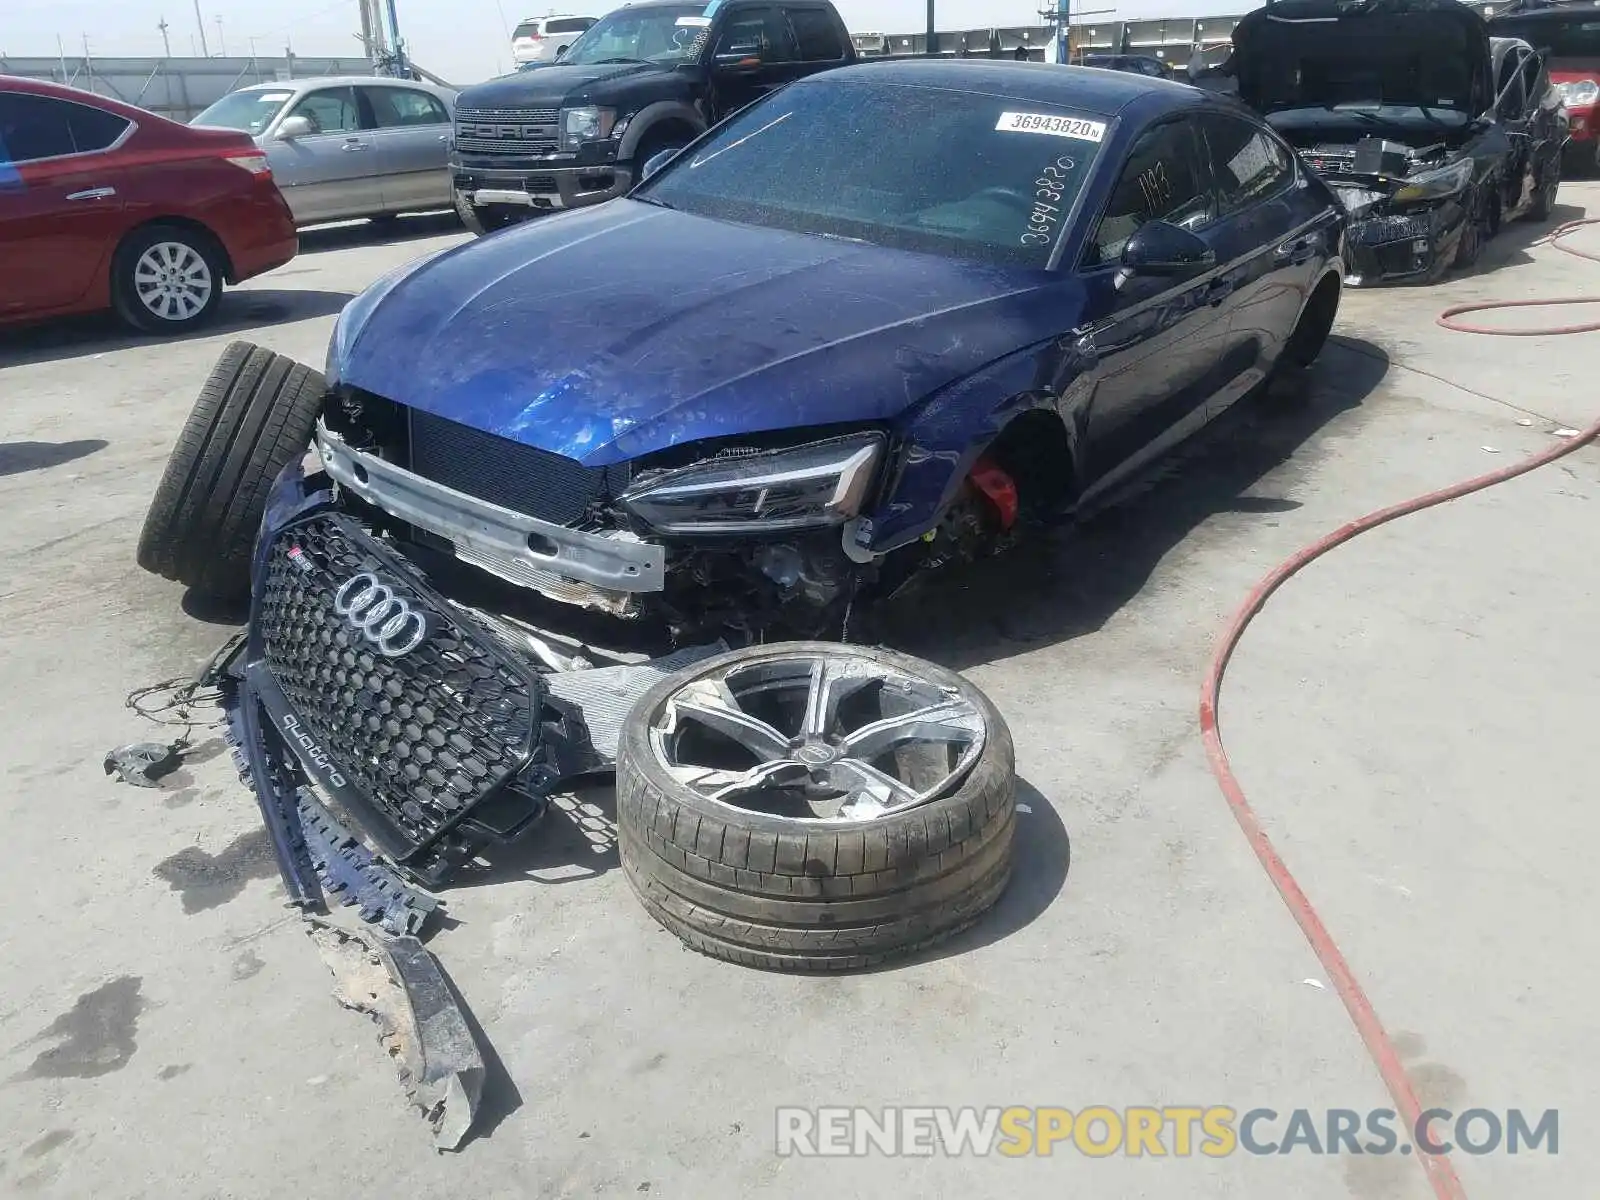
{"points": [[1409, 207], [1391, 103]]}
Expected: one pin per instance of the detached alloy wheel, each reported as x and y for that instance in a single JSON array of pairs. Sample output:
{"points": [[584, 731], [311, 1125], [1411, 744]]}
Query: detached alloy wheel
{"points": [[810, 806], [166, 279]]}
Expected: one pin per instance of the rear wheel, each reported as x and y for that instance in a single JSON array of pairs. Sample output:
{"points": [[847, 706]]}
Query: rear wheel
{"points": [[166, 279], [255, 414], [1544, 200]]}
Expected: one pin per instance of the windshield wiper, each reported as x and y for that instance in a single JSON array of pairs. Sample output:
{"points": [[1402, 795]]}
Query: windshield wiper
{"points": [[657, 203], [601, 62]]}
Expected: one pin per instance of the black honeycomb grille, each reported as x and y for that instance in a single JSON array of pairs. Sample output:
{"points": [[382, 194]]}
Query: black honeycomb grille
{"points": [[525, 479], [421, 738]]}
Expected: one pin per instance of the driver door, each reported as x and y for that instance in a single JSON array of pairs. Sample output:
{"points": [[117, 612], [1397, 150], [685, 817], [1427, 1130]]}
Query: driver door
{"points": [[330, 172], [752, 53], [1157, 341]]}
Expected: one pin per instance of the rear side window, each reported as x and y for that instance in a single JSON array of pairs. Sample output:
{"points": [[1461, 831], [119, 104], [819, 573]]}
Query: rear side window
{"points": [[94, 128], [818, 40], [394, 107], [34, 127], [526, 29], [568, 25], [756, 33], [1246, 164]]}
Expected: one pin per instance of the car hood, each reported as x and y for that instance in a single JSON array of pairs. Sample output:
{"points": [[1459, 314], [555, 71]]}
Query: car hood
{"points": [[1303, 53], [549, 86], [607, 333]]}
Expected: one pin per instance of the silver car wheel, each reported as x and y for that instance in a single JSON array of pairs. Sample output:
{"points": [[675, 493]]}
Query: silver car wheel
{"points": [[830, 736], [173, 281]]}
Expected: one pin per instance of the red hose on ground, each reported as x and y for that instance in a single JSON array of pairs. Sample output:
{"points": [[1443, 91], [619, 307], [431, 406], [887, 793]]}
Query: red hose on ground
{"points": [[1441, 1174], [1448, 317]]}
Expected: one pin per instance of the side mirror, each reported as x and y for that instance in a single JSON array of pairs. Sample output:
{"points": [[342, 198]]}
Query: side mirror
{"points": [[655, 162], [1159, 248], [562, 53], [295, 127]]}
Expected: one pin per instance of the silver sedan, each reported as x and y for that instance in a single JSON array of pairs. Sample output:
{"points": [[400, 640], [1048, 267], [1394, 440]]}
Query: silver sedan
{"points": [[342, 148]]}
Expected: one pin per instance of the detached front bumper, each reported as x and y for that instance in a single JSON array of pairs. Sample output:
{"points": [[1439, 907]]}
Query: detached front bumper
{"points": [[541, 188], [389, 733], [1395, 247]]}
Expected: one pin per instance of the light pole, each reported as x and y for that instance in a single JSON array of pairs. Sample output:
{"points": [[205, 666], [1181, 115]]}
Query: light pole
{"points": [[205, 51]]}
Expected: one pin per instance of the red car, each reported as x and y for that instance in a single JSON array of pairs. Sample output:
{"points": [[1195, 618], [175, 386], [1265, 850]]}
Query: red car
{"points": [[1568, 35], [103, 205]]}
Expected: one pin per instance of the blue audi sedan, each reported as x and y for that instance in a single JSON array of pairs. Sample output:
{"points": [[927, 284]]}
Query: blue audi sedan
{"points": [[880, 320]]}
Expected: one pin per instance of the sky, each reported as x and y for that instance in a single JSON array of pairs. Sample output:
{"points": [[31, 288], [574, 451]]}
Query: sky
{"points": [[462, 40]]}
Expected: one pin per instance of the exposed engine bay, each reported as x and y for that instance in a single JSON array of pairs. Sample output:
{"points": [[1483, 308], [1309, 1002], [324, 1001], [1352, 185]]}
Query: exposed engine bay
{"points": [[457, 502]]}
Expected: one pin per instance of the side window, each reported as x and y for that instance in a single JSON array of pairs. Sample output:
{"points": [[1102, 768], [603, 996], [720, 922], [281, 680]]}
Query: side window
{"points": [[1508, 85], [394, 107], [34, 127], [332, 110], [816, 38], [755, 33], [1159, 181], [1532, 80], [1246, 164], [567, 25], [95, 128]]}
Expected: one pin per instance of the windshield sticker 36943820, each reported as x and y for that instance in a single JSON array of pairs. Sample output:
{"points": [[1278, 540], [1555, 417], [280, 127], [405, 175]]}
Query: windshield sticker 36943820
{"points": [[1070, 127], [1049, 194]]}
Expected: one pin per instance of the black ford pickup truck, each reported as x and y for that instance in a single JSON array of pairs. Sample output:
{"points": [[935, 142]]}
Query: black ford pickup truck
{"points": [[648, 77]]}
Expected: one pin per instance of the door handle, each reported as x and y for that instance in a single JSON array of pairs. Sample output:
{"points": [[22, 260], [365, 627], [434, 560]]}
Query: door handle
{"points": [[1297, 250], [351, 144], [99, 193]]}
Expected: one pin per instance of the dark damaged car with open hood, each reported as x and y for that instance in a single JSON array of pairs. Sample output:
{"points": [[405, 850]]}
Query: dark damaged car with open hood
{"points": [[1431, 135], [618, 488]]}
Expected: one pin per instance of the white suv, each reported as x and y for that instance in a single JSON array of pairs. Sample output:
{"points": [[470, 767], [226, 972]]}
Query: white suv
{"points": [[542, 39]]}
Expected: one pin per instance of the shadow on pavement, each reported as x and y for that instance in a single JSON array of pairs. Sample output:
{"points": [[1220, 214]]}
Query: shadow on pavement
{"points": [[84, 337], [17, 457], [395, 231], [1069, 582]]}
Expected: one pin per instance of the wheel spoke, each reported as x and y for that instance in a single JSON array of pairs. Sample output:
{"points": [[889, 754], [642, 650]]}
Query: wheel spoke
{"points": [[872, 792], [758, 777], [950, 722], [832, 680], [712, 704]]}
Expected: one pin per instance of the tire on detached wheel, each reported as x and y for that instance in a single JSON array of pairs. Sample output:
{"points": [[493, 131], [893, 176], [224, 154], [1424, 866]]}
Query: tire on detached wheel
{"points": [[757, 878], [255, 415]]}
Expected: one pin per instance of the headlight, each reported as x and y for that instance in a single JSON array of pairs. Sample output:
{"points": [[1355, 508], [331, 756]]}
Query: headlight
{"points": [[588, 124], [824, 483], [1581, 93], [1436, 185]]}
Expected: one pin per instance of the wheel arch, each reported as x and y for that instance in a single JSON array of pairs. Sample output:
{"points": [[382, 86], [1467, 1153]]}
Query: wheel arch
{"points": [[665, 116], [200, 228]]}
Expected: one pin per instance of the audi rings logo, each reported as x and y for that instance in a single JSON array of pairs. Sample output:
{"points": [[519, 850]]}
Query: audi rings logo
{"points": [[380, 616]]}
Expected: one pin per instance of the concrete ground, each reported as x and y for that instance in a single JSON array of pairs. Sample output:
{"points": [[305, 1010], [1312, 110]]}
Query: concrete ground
{"points": [[1410, 716]]}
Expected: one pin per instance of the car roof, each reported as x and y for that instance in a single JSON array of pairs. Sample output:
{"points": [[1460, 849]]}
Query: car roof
{"points": [[311, 82], [62, 91], [1089, 88]]}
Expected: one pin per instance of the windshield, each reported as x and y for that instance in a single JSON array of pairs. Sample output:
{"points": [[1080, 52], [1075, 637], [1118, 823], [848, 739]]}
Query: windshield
{"points": [[662, 34], [915, 168], [251, 112], [1563, 38]]}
